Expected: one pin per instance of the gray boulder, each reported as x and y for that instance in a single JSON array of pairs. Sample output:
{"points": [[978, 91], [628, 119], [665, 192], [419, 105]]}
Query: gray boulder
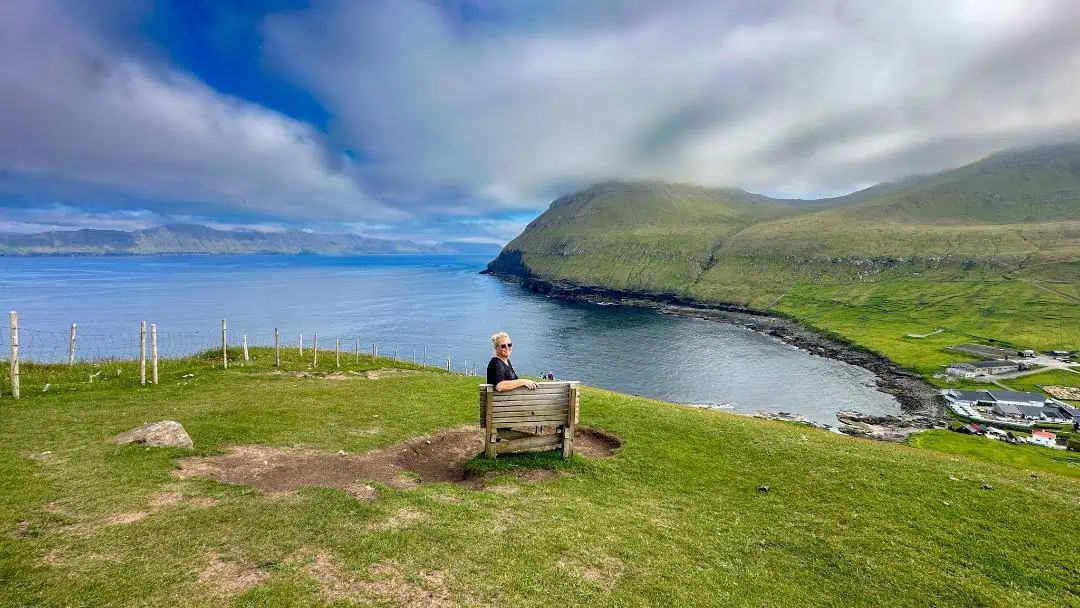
{"points": [[166, 434]]}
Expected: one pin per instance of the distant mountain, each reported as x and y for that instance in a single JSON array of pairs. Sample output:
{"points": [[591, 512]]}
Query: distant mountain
{"points": [[195, 239], [1012, 210]]}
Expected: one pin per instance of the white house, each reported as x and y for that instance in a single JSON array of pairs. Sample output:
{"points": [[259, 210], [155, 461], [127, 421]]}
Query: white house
{"points": [[1044, 439]]}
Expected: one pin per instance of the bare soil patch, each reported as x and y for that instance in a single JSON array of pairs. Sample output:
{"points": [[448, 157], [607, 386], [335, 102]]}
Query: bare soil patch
{"points": [[122, 519], [430, 459], [1071, 393], [384, 580], [603, 570], [230, 578]]}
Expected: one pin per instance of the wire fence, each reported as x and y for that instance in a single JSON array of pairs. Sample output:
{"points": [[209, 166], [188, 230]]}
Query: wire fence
{"points": [[146, 344]]}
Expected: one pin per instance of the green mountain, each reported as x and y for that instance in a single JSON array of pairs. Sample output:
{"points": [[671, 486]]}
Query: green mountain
{"points": [[1011, 217]]}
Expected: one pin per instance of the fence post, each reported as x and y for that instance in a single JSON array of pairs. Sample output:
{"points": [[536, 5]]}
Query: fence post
{"points": [[142, 352], [448, 364], [224, 347], [356, 350], [315, 349], [71, 348], [246, 359], [395, 352], [337, 352], [374, 350], [300, 347], [13, 325], [153, 351], [277, 348], [414, 355], [425, 355]]}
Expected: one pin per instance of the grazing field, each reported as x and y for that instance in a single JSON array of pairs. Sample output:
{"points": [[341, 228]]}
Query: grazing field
{"points": [[695, 508], [880, 314], [1030, 457]]}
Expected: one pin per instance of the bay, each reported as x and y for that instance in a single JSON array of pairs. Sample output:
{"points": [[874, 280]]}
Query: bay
{"points": [[412, 305]]}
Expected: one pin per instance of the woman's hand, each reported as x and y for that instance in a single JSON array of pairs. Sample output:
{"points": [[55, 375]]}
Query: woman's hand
{"points": [[529, 384]]}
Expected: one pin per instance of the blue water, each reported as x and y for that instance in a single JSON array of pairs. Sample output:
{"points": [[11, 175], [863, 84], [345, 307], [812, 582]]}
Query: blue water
{"points": [[413, 303]]}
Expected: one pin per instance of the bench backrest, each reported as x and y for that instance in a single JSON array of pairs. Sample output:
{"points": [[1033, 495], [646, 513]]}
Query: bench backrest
{"points": [[549, 404]]}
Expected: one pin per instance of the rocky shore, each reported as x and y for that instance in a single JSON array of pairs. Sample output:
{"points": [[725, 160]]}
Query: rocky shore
{"points": [[921, 405]]}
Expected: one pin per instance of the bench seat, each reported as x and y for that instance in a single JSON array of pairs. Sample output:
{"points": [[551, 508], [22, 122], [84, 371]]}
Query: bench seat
{"points": [[507, 415]]}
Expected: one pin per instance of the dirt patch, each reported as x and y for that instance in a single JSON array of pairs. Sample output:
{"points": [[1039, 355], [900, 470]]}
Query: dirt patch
{"points": [[602, 570], [375, 374], [385, 580], [20, 530], [402, 518], [434, 459], [122, 519], [230, 578], [165, 499]]}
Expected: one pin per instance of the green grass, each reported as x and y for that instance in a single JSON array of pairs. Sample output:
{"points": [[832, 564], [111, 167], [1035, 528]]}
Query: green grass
{"points": [[675, 517], [1030, 457]]}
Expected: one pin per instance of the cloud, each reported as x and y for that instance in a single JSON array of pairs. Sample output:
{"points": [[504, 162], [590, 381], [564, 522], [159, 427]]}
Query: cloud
{"points": [[513, 103], [77, 110]]}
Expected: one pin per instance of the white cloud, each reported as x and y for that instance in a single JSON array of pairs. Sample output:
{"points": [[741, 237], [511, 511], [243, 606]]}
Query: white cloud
{"points": [[819, 95], [76, 110]]}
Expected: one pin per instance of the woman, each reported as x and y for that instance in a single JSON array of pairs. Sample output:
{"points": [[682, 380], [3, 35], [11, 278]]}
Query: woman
{"points": [[500, 373]]}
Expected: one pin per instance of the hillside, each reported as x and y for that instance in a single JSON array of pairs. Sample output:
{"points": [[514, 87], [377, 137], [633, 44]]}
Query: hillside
{"points": [[997, 240], [190, 238], [275, 504]]}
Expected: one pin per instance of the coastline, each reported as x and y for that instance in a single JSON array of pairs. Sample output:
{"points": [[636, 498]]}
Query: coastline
{"points": [[920, 403]]}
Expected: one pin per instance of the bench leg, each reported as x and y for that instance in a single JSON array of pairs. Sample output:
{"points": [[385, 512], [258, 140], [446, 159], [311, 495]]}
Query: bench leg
{"points": [[491, 447]]}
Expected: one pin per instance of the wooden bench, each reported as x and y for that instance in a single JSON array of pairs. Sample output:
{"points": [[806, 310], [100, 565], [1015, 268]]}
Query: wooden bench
{"points": [[506, 415]]}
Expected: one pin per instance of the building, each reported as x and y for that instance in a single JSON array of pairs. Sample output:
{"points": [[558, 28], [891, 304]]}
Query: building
{"points": [[971, 369], [1025, 408], [1044, 439]]}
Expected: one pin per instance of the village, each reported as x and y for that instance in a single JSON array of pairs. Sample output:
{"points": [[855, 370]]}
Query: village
{"points": [[1007, 415]]}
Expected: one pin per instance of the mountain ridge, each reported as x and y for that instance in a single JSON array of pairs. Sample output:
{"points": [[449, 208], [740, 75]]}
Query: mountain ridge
{"points": [[199, 239]]}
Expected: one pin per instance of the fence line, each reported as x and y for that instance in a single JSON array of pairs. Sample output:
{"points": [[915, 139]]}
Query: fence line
{"points": [[75, 346]]}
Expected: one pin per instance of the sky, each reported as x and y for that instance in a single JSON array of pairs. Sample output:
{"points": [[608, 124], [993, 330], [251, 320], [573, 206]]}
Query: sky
{"points": [[460, 120]]}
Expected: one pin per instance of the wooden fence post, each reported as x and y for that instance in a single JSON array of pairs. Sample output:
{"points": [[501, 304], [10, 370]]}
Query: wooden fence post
{"points": [[425, 355], [277, 348], [356, 350], [414, 355], [246, 359], [71, 347], [447, 363], [13, 326], [153, 352], [315, 349], [374, 350], [142, 352], [301, 346], [224, 347], [337, 352]]}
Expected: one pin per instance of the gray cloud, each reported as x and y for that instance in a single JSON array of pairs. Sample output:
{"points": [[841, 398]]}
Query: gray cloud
{"points": [[75, 109], [487, 107], [805, 97]]}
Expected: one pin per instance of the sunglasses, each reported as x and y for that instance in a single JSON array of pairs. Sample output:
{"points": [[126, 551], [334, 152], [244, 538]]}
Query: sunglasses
{"points": [[507, 345]]}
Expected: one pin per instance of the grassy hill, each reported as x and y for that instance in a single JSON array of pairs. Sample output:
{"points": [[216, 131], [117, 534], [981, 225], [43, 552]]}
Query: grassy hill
{"points": [[676, 517], [989, 251]]}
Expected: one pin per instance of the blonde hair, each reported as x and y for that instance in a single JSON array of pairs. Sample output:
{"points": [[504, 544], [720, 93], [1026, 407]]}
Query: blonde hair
{"points": [[502, 335]]}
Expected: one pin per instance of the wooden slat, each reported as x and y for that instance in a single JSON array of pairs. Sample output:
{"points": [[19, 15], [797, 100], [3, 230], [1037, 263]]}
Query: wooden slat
{"points": [[563, 417], [501, 408], [569, 432], [531, 398], [490, 434], [531, 420], [529, 443], [551, 401]]}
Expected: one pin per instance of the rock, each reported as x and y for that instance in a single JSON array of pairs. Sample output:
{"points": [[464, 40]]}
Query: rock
{"points": [[763, 489], [987, 486], [165, 434]]}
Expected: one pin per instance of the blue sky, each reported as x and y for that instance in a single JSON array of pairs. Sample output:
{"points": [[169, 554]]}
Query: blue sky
{"points": [[462, 119]]}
